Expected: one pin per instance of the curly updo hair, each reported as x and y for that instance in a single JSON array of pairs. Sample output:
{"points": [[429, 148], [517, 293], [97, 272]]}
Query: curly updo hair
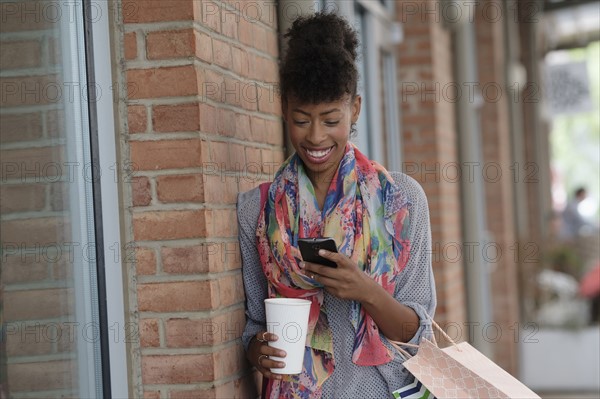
{"points": [[319, 65]]}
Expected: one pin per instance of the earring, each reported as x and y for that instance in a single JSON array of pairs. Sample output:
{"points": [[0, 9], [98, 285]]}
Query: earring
{"points": [[353, 129]]}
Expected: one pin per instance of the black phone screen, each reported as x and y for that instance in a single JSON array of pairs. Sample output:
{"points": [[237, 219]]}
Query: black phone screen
{"points": [[309, 248]]}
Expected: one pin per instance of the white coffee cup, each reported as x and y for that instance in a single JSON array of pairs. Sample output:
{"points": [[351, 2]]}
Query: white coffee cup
{"points": [[288, 319]]}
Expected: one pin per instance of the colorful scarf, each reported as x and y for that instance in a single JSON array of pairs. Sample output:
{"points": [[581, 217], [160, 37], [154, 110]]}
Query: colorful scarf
{"points": [[366, 214]]}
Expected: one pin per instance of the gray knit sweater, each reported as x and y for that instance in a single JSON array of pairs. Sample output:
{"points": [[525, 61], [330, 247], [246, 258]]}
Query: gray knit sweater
{"points": [[414, 288]]}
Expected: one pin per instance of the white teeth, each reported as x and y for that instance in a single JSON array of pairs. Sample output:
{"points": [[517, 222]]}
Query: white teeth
{"points": [[319, 154]]}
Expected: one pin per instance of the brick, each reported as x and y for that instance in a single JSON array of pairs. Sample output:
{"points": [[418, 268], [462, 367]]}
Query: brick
{"points": [[229, 361], [232, 91], [55, 124], [62, 269], [253, 157], [230, 291], [211, 15], [208, 119], [54, 54], [177, 369], [188, 333], [274, 132], [183, 296], [239, 60], [240, 388], [141, 11], [237, 157], [219, 188], [22, 198], [245, 31], [42, 376], [130, 44], [30, 339], [176, 118], [221, 222], [36, 232], [268, 100], [259, 37], [149, 336], [31, 90], [229, 25], [272, 44], [166, 154], [18, 269], [59, 196], [259, 129], [222, 53], [38, 304], [151, 395], [170, 44], [226, 258], [20, 16], [140, 191], [226, 122], [249, 96], [21, 54], [187, 260], [242, 126], [219, 153], [162, 82], [212, 85], [204, 47], [145, 261], [169, 225], [21, 127], [137, 120], [180, 188]]}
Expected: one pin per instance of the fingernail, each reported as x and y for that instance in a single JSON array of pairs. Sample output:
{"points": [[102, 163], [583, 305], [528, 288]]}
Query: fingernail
{"points": [[322, 252], [301, 264], [282, 354], [281, 365]]}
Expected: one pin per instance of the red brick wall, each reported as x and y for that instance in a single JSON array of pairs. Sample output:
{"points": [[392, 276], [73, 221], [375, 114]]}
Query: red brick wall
{"points": [[201, 122], [498, 180], [37, 349], [429, 144]]}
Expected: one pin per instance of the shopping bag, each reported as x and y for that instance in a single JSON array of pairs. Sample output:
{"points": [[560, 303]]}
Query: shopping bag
{"points": [[416, 390], [460, 371]]}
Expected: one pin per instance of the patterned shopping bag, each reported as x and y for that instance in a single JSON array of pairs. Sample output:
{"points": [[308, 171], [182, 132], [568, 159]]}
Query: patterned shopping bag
{"points": [[460, 371]]}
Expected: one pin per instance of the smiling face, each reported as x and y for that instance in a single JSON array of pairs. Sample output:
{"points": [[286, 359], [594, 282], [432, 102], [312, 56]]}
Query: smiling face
{"points": [[319, 134]]}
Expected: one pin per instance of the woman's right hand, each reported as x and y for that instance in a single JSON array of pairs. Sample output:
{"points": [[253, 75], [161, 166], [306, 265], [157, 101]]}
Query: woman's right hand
{"points": [[259, 352]]}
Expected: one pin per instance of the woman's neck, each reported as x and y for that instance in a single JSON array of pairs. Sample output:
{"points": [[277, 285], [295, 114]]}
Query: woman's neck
{"points": [[321, 185]]}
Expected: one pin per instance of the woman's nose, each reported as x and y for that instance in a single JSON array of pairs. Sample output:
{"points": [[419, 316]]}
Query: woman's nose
{"points": [[316, 134]]}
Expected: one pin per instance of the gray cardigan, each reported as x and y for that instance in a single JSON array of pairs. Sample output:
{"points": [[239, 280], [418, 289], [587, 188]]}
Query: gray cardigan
{"points": [[415, 288]]}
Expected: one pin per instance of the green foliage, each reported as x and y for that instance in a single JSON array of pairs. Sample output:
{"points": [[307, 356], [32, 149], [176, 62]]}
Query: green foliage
{"points": [[575, 139]]}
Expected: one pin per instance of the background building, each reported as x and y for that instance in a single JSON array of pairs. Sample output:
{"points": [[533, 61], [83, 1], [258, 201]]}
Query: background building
{"points": [[128, 127]]}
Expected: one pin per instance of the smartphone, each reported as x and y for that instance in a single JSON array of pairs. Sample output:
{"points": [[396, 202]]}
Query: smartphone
{"points": [[309, 248]]}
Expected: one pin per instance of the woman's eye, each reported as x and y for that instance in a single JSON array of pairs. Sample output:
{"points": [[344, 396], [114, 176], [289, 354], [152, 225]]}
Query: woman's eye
{"points": [[332, 123], [300, 123]]}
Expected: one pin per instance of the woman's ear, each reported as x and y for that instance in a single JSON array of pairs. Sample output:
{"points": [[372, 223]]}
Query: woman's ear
{"points": [[356, 106]]}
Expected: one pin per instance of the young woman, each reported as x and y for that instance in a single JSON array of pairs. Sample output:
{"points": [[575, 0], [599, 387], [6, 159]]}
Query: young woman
{"points": [[383, 286]]}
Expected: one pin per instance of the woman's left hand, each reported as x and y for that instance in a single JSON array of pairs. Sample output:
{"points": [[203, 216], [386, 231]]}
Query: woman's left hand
{"points": [[346, 281]]}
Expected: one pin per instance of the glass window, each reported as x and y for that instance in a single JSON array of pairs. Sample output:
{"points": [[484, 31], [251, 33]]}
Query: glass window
{"points": [[49, 308]]}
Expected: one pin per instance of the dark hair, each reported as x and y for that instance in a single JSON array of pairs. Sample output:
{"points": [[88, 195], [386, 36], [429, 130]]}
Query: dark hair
{"points": [[579, 191], [319, 65]]}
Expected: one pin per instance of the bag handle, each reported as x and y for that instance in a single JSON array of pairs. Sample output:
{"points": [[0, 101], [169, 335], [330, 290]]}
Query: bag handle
{"points": [[398, 345]]}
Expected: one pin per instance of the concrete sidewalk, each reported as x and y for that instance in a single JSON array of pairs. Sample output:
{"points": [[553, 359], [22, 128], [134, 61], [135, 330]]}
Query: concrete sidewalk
{"points": [[569, 395]]}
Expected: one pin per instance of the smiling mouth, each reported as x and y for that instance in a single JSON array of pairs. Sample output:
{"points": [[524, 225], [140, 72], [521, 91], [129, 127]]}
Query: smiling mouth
{"points": [[318, 154]]}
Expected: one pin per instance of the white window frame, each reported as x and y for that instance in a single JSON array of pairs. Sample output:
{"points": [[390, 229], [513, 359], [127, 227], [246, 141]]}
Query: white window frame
{"points": [[382, 37], [111, 223]]}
